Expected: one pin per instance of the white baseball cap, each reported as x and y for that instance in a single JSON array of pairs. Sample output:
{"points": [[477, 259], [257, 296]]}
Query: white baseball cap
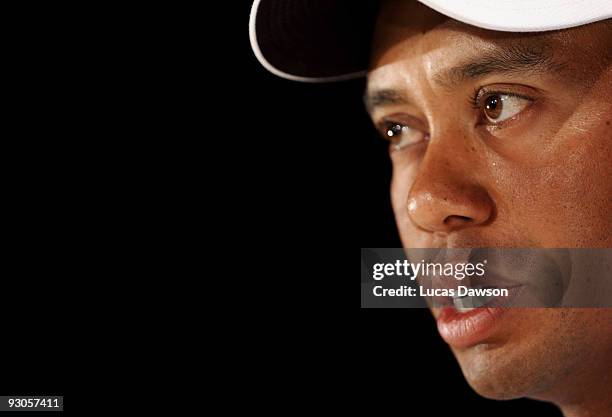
{"points": [[328, 40]]}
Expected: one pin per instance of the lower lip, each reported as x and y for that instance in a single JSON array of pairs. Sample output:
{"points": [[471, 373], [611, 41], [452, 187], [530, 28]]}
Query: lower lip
{"points": [[470, 328]]}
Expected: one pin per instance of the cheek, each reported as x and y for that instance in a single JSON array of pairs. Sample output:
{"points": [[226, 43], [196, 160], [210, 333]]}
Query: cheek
{"points": [[399, 194], [401, 184], [566, 201], [584, 197], [580, 169], [406, 165]]}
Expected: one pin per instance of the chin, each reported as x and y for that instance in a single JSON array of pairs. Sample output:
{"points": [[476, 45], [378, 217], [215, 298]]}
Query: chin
{"points": [[538, 354], [494, 372], [509, 369]]}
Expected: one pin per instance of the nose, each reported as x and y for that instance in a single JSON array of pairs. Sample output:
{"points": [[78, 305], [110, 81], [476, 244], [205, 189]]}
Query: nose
{"points": [[445, 197]]}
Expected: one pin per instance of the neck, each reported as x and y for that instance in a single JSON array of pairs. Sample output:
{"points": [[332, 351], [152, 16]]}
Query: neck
{"points": [[596, 401], [585, 392], [590, 409]]}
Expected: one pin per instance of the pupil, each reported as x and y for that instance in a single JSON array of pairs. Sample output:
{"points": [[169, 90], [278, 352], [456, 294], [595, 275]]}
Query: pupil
{"points": [[492, 104], [395, 129], [493, 107]]}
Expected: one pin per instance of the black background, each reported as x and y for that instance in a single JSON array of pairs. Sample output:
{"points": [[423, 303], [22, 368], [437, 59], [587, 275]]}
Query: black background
{"points": [[331, 167], [44, 227]]}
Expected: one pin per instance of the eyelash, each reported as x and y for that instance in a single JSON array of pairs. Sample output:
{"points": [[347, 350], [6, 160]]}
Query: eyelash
{"points": [[481, 93], [475, 100]]}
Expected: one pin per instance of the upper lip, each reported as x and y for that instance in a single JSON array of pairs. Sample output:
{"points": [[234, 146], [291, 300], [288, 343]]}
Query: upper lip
{"points": [[493, 277], [438, 302]]}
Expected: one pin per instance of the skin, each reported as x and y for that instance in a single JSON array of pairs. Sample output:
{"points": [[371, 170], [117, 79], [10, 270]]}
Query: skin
{"points": [[540, 179]]}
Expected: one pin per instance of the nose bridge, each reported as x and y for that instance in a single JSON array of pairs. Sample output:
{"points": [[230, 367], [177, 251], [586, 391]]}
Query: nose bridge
{"points": [[446, 195]]}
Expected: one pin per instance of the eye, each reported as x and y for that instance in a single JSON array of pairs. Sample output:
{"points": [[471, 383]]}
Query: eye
{"points": [[498, 107], [401, 135]]}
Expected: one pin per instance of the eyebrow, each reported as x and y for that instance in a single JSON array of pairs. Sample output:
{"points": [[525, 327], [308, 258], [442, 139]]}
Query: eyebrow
{"points": [[510, 60], [384, 97]]}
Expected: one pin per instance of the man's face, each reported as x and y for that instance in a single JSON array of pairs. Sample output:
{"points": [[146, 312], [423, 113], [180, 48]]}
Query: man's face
{"points": [[502, 140]]}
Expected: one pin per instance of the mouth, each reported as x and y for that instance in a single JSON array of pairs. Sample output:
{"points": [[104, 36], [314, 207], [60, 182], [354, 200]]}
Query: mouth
{"points": [[466, 303], [468, 327], [471, 320]]}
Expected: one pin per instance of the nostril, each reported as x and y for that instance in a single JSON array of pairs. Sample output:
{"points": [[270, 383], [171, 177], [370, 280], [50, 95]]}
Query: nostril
{"points": [[456, 220]]}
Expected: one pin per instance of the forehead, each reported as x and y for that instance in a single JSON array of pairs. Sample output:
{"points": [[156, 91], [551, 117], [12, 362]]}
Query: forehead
{"points": [[435, 37], [419, 37]]}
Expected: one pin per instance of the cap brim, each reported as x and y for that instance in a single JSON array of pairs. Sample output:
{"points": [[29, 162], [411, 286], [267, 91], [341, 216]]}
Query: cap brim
{"points": [[313, 40], [326, 40]]}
